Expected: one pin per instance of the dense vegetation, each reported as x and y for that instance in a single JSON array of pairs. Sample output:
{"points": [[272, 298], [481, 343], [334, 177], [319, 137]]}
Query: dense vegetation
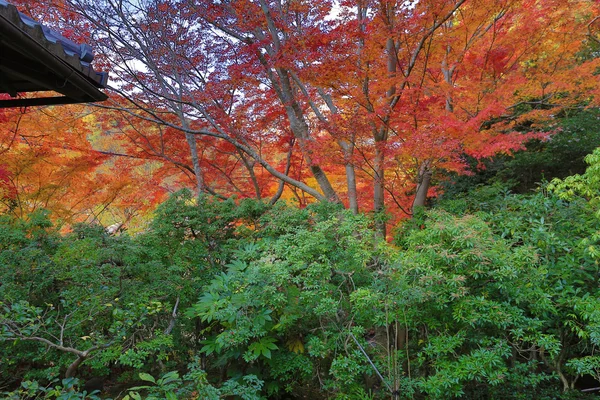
{"points": [[391, 200], [487, 295]]}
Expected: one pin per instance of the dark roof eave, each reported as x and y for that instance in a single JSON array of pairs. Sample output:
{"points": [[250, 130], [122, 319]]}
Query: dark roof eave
{"points": [[42, 101], [87, 87]]}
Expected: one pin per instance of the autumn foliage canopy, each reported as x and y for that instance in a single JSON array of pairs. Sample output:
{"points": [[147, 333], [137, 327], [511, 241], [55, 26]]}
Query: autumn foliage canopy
{"points": [[368, 103]]}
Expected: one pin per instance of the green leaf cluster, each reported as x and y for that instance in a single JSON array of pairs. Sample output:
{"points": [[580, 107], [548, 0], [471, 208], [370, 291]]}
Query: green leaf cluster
{"points": [[489, 295]]}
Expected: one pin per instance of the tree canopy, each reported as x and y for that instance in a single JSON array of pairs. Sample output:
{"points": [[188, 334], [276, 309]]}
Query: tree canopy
{"points": [[368, 103]]}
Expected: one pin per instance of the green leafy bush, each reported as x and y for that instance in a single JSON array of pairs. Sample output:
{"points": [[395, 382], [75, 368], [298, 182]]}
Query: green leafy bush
{"points": [[489, 295]]}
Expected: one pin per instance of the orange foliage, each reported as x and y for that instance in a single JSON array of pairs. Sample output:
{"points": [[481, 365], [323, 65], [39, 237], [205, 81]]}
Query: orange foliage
{"points": [[231, 94], [49, 162]]}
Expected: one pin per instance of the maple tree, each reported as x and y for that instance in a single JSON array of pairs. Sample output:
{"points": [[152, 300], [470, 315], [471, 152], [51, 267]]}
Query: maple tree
{"points": [[447, 72], [52, 160], [6, 189], [365, 102]]}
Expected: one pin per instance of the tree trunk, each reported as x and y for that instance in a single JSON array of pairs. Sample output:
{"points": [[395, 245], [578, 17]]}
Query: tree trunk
{"points": [[301, 131], [378, 187], [381, 136], [250, 168], [348, 150], [288, 164], [352, 192], [191, 141], [324, 184], [72, 370], [424, 181]]}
